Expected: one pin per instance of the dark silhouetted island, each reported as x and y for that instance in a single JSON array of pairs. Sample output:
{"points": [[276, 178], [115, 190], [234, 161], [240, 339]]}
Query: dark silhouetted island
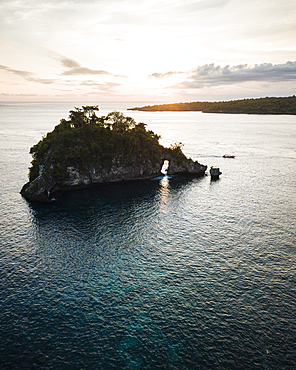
{"points": [[87, 150], [286, 105]]}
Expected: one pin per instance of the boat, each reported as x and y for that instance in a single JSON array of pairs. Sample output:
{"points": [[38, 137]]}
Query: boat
{"points": [[228, 156]]}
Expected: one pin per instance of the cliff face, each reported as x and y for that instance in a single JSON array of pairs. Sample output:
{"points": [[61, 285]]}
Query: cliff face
{"points": [[44, 187], [186, 167]]}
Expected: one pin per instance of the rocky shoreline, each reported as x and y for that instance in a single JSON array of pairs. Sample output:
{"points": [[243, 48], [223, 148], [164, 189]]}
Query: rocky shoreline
{"points": [[44, 187]]}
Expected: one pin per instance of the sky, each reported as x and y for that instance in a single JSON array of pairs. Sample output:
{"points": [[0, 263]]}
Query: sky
{"points": [[146, 50]]}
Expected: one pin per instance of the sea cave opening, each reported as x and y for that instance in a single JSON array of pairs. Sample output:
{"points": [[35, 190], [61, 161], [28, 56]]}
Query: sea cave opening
{"points": [[165, 167]]}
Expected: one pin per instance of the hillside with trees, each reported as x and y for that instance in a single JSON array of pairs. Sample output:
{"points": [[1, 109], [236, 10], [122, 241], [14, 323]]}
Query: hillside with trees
{"points": [[86, 139], [286, 105], [87, 150]]}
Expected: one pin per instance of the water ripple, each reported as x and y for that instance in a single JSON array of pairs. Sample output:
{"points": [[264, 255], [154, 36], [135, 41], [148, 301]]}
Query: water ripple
{"points": [[178, 274]]}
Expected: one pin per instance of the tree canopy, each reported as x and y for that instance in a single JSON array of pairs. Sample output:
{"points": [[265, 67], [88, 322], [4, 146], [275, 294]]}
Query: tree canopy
{"points": [[83, 116], [86, 139]]}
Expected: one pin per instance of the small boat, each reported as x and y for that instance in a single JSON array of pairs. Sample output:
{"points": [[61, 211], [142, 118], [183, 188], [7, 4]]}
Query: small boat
{"points": [[228, 156]]}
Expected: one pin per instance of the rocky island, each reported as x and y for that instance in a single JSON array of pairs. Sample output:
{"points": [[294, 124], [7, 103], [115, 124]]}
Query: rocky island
{"points": [[87, 150]]}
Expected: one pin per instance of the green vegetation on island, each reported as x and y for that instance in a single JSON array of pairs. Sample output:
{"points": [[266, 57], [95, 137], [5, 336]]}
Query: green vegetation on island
{"points": [[268, 105], [88, 150], [85, 140]]}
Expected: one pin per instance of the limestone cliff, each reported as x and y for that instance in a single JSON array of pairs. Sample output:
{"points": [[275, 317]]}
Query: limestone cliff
{"points": [[44, 187], [97, 152]]}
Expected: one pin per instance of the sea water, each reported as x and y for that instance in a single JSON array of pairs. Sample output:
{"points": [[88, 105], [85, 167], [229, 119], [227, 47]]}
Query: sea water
{"points": [[174, 273]]}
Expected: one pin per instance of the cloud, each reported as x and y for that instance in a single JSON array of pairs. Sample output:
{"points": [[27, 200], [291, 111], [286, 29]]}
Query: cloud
{"points": [[211, 75], [74, 68], [105, 86], [6, 94], [24, 74], [163, 75], [44, 81], [29, 76]]}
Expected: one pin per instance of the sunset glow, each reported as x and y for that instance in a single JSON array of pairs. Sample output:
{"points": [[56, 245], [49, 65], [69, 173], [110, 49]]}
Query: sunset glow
{"points": [[146, 50]]}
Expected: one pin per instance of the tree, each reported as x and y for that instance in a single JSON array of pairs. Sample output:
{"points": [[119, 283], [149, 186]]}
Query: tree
{"points": [[118, 122], [83, 116]]}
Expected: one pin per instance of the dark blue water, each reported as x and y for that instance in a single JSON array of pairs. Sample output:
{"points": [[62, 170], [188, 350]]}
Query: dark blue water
{"points": [[167, 274]]}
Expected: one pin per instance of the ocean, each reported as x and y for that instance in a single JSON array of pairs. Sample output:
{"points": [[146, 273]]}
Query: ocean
{"points": [[172, 273]]}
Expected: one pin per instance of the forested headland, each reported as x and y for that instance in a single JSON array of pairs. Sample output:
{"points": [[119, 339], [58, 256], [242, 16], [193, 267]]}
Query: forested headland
{"points": [[268, 105]]}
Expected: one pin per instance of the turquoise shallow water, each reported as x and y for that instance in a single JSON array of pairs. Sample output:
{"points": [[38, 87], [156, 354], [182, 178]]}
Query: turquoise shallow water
{"points": [[167, 274]]}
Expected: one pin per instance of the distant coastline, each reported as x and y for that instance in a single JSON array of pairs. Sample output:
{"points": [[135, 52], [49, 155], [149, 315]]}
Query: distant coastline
{"points": [[268, 105]]}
